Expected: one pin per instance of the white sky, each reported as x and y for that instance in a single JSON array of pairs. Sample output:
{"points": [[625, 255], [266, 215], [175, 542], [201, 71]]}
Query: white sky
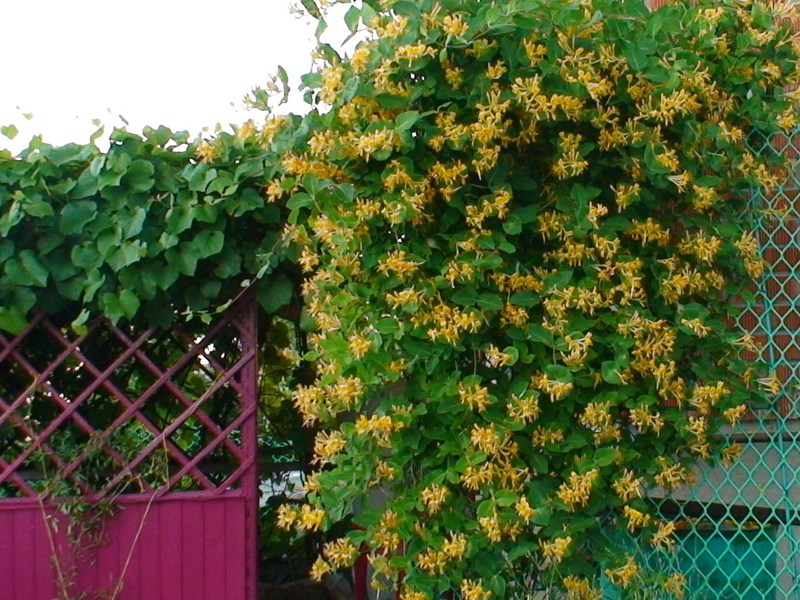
{"points": [[185, 64]]}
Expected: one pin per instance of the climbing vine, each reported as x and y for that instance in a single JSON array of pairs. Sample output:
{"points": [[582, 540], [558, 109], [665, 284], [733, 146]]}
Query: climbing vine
{"points": [[152, 227], [525, 228]]}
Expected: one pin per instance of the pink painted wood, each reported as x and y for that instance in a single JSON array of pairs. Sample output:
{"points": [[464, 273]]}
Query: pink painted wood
{"points": [[174, 548], [192, 535]]}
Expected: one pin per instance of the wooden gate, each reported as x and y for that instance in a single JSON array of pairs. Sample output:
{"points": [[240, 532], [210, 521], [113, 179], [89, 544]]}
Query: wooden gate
{"points": [[128, 461]]}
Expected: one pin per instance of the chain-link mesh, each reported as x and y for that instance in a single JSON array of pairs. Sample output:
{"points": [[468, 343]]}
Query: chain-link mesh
{"points": [[739, 533]]}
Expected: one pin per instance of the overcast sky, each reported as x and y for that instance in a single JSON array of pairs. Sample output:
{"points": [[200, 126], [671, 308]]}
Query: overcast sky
{"points": [[181, 63]]}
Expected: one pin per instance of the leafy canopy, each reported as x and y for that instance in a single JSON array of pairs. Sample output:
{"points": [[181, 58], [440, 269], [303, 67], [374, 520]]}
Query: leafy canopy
{"points": [[524, 227], [147, 228]]}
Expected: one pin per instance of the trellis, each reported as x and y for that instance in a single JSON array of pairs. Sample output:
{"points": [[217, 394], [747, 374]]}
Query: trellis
{"points": [[157, 426]]}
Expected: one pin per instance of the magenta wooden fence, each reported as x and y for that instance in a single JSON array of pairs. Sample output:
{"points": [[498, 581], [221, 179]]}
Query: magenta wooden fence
{"points": [[157, 427]]}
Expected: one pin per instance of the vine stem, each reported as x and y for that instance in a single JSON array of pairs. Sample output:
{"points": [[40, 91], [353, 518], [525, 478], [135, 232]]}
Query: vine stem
{"points": [[121, 579], [62, 583]]}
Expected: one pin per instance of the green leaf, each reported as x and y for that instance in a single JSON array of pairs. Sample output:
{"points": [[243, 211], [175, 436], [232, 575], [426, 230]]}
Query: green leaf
{"points": [[312, 8], [78, 324], [130, 303], [576, 439], [522, 548], [610, 370], [505, 498], [497, 585], [486, 508], [299, 200], [390, 101], [312, 80], [351, 18], [526, 299], [37, 208], [206, 213], [208, 243], [541, 516], [560, 279], [655, 23], [526, 214], [94, 281], [313, 184], [106, 179], [368, 14], [693, 311], [132, 224], [489, 301], [11, 218], [537, 333], [652, 163], [248, 200], [465, 296], [406, 120], [26, 270], [140, 175], [387, 326], [183, 259], [507, 247], [275, 293], [513, 353], [87, 185], [76, 215], [636, 9], [636, 58], [493, 15], [538, 463], [615, 223], [97, 165], [9, 131], [118, 306], [513, 225], [12, 319], [126, 254], [283, 77], [408, 9], [61, 155], [584, 194], [322, 25], [6, 250], [604, 457], [558, 373]]}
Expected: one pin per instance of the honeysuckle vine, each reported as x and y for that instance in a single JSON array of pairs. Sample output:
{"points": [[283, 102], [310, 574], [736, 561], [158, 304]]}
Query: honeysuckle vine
{"points": [[526, 229]]}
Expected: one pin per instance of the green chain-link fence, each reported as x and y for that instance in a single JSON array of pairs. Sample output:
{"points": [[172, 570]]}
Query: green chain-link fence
{"points": [[740, 526]]}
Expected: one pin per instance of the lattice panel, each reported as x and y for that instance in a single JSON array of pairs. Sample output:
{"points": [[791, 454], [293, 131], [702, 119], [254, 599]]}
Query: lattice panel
{"points": [[740, 537], [122, 410]]}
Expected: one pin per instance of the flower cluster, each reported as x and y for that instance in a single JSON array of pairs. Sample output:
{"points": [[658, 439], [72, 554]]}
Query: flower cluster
{"points": [[520, 230]]}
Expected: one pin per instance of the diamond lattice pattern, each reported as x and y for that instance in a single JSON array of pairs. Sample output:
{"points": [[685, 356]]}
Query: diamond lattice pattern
{"points": [[123, 410], [740, 536]]}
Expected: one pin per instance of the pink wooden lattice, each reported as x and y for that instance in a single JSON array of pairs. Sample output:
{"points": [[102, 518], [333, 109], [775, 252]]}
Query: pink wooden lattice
{"points": [[162, 421]]}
